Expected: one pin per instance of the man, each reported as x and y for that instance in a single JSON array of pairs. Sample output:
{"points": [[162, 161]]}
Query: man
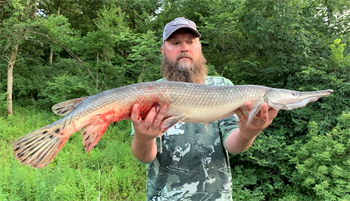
{"points": [[194, 163]]}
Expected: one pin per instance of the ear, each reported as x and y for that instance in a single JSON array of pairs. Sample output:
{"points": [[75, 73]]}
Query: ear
{"points": [[200, 44], [162, 50]]}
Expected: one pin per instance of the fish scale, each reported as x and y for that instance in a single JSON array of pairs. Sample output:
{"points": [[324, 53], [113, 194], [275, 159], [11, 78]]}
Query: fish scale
{"points": [[186, 102]]}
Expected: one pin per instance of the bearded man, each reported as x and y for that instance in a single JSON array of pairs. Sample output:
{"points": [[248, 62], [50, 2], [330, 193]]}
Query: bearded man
{"points": [[194, 162]]}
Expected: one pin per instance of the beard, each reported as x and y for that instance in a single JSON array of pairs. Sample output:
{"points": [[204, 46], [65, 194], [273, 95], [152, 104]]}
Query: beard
{"points": [[194, 72]]}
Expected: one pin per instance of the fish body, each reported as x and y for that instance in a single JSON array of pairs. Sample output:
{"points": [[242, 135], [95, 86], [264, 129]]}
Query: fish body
{"points": [[186, 102]]}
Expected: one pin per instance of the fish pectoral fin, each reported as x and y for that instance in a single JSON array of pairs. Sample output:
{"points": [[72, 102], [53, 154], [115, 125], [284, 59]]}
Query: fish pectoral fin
{"points": [[253, 112], [92, 134], [171, 121], [40, 147], [66, 107]]}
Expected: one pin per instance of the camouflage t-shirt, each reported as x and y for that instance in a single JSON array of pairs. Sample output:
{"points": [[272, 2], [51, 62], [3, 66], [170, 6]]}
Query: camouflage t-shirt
{"points": [[194, 163]]}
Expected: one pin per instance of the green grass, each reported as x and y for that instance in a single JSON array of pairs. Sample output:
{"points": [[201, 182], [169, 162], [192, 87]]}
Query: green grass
{"points": [[316, 168], [109, 172]]}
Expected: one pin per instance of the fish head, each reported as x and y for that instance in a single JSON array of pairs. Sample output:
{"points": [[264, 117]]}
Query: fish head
{"points": [[289, 99]]}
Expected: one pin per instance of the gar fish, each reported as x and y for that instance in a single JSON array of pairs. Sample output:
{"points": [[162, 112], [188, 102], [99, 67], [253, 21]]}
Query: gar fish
{"points": [[186, 102]]}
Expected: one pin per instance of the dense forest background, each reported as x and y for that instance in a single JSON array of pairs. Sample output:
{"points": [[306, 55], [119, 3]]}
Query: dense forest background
{"points": [[64, 49]]}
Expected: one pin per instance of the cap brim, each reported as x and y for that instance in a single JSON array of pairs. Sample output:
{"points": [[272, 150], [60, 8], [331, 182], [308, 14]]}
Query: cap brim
{"points": [[188, 28]]}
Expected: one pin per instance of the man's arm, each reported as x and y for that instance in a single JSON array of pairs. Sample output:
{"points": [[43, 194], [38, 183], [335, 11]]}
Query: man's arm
{"points": [[144, 146], [242, 138]]}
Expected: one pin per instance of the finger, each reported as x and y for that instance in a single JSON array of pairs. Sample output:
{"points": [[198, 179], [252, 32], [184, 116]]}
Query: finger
{"points": [[150, 117], [151, 114], [240, 114], [135, 113], [160, 116], [264, 115], [272, 113], [248, 105]]}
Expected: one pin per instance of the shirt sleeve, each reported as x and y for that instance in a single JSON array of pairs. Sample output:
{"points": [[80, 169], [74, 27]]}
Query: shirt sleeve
{"points": [[228, 124]]}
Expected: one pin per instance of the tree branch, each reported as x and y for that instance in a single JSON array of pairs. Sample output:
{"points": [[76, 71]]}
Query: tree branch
{"points": [[75, 57]]}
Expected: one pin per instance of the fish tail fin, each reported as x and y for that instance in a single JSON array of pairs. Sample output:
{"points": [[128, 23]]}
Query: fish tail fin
{"points": [[38, 148]]}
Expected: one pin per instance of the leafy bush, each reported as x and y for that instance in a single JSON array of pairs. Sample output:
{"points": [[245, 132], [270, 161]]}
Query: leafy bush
{"points": [[323, 163], [66, 87], [317, 167]]}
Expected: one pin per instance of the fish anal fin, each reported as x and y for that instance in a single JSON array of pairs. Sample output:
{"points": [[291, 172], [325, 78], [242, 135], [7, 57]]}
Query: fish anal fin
{"points": [[92, 134], [66, 107], [171, 121], [168, 123], [206, 126], [38, 148]]}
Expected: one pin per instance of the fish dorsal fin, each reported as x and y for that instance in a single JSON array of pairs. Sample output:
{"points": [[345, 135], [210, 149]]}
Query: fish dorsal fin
{"points": [[93, 133], [66, 107]]}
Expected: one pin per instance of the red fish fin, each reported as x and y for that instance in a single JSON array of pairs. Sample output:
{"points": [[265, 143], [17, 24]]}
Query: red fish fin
{"points": [[66, 107], [92, 134], [40, 147], [171, 121]]}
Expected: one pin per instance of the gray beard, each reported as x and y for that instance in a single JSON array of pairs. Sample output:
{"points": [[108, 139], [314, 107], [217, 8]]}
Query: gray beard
{"points": [[194, 72]]}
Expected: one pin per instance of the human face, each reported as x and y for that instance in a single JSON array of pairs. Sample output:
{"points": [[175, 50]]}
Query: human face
{"points": [[182, 46], [183, 59]]}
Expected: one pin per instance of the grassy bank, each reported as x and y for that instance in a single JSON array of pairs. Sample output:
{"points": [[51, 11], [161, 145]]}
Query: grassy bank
{"points": [[109, 172]]}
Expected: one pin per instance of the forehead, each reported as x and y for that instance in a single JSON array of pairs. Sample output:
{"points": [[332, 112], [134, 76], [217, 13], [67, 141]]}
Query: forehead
{"points": [[182, 33]]}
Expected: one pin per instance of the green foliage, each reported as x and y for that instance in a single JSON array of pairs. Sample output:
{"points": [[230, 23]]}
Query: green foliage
{"points": [[144, 57], [58, 29], [288, 44], [315, 168], [3, 103], [108, 172], [337, 56], [323, 163], [67, 87], [243, 180]]}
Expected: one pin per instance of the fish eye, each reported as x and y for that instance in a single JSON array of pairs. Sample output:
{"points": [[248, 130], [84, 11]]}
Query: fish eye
{"points": [[294, 94]]}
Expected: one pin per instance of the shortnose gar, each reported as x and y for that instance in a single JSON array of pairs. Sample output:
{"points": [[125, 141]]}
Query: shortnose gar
{"points": [[187, 102]]}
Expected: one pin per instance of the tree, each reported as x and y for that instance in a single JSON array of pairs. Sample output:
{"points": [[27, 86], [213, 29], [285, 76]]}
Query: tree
{"points": [[15, 29]]}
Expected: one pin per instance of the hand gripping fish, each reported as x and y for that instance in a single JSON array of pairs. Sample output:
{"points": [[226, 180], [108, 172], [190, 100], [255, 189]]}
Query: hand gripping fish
{"points": [[187, 102]]}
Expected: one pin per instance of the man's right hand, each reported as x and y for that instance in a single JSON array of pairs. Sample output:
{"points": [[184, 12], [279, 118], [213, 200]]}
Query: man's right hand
{"points": [[146, 130]]}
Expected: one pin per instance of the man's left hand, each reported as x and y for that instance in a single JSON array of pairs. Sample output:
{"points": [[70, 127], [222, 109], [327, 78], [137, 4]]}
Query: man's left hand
{"points": [[261, 120]]}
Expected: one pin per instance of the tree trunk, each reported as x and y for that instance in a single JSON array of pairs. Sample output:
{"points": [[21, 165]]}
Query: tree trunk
{"points": [[58, 13], [10, 79], [59, 8], [12, 61], [51, 55]]}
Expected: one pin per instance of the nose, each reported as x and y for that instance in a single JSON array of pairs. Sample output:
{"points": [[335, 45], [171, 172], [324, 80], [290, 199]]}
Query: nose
{"points": [[184, 47]]}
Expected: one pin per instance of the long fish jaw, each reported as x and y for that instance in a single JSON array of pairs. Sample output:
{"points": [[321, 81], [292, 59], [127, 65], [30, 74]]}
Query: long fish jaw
{"points": [[288, 99]]}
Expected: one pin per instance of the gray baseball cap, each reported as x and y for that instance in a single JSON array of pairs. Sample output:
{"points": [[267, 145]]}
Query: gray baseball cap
{"points": [[179, 23]]}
